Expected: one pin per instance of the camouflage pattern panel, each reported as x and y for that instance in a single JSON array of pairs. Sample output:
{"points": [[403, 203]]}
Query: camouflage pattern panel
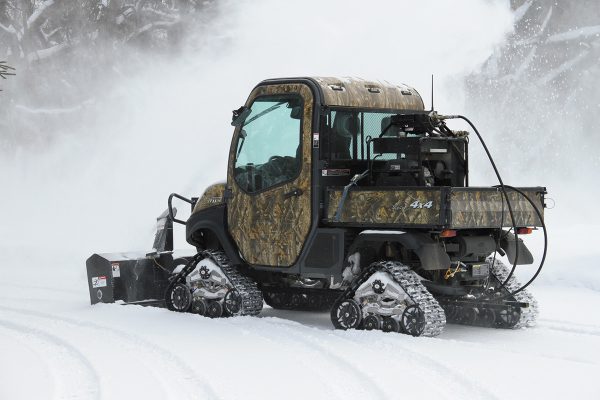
{"points": [[268, 228], [355, 92], [213, 196], [482, 208], [397, 208]]}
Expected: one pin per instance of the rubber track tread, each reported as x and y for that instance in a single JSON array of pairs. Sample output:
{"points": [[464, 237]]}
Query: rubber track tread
{"points": [[435, 319], [252, 299], [529, 314]]}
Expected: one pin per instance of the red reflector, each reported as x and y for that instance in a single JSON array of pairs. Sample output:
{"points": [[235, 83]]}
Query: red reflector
{"points": [[446, 233], [524, 231]]}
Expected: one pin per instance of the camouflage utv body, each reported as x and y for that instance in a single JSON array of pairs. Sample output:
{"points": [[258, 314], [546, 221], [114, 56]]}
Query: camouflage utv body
{"points": [[273, 230]]}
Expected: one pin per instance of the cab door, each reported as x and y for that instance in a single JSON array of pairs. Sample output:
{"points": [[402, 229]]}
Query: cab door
{"points": [[269, 175]]}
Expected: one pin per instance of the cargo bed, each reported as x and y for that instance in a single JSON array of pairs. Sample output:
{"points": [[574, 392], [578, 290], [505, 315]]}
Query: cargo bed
{"points": [[433, 207]]}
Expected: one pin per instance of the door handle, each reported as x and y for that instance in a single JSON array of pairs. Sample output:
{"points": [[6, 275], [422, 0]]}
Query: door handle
{"points": [[294, 192]]}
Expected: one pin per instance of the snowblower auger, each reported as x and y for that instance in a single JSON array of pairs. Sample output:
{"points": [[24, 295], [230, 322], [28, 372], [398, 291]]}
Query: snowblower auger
{"points": [[343, 194]]}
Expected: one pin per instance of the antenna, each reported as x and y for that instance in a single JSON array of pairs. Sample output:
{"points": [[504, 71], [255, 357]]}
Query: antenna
{"points": [[431, 92]]}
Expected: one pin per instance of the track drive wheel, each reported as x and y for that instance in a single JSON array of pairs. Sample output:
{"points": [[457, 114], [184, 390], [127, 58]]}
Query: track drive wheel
{"points": [[487, 317], [314, 302], [452, 313], [372, 322], [508, 317], [346, 314], [233, 302], [214, 309], [413, 320], [181, 298], [390, 325], [199, 306], [469, 315]]}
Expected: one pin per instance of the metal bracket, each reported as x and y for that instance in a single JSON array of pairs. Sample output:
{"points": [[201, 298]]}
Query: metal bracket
{"points": [[170, 204]]}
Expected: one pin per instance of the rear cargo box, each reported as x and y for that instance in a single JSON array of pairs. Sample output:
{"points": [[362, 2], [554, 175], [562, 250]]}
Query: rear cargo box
{"points": [[433, 207], [484, 207]]}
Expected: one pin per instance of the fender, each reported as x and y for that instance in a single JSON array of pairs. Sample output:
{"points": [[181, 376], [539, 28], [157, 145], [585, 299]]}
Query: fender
{"points": [[430, 253], [213, 220]]}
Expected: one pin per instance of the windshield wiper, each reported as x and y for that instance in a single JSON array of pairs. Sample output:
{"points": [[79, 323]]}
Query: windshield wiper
{"points": [[243, 135], [268, 110]]}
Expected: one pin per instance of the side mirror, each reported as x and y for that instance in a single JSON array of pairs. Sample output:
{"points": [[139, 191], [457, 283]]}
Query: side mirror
{"points": [[239, 116], [297, 112]]}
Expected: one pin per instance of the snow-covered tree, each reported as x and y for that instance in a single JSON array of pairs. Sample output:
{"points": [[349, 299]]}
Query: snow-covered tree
{"points": [[60, 47], [5, 70]]}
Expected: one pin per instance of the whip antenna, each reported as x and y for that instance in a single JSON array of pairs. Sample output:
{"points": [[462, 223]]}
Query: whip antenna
{"points": [[431, 92]]}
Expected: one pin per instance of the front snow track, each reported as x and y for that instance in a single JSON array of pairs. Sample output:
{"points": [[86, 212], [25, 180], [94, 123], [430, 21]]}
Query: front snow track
{"points": [[422, 316], [241, 290]]}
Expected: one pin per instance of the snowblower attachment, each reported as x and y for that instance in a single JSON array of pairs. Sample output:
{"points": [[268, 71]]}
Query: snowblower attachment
{"points": [[136, 277]]}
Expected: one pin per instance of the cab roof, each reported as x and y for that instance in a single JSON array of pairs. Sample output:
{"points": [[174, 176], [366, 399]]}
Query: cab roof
{"points": [[362, 93]]}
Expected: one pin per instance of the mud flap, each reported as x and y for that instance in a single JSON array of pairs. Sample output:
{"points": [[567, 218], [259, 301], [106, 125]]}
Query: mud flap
{"points": [[508, 244]]}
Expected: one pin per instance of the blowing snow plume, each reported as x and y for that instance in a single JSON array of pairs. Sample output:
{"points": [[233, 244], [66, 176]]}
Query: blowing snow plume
{"points": [[538, 97], [158, 121]]}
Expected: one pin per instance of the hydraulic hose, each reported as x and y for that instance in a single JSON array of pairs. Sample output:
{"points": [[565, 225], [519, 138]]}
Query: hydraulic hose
{"points": [[503, 187], [504, 194], [543, 260]]}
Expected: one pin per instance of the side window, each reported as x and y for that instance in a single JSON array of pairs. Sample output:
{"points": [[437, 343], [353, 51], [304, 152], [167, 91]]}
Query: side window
{"points": [[349, 130], [268, 150]]}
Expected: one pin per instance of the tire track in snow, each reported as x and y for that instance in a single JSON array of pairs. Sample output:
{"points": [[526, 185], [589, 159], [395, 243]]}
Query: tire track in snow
{"points": [[440, 368], [370, 386], [181, 376], [44, 288], [473, 389], [74, 375], [569, 327]]}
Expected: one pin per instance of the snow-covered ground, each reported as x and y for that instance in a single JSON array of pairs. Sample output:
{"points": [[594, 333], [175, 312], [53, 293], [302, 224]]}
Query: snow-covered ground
{"points": [[54, 345]]}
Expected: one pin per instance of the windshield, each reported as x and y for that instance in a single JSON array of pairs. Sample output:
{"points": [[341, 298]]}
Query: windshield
{"points": [[269, 144]]}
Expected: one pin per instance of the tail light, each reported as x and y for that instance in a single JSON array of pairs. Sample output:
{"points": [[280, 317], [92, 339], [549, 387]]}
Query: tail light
{"points": [[524, 231], [448, 233]]}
